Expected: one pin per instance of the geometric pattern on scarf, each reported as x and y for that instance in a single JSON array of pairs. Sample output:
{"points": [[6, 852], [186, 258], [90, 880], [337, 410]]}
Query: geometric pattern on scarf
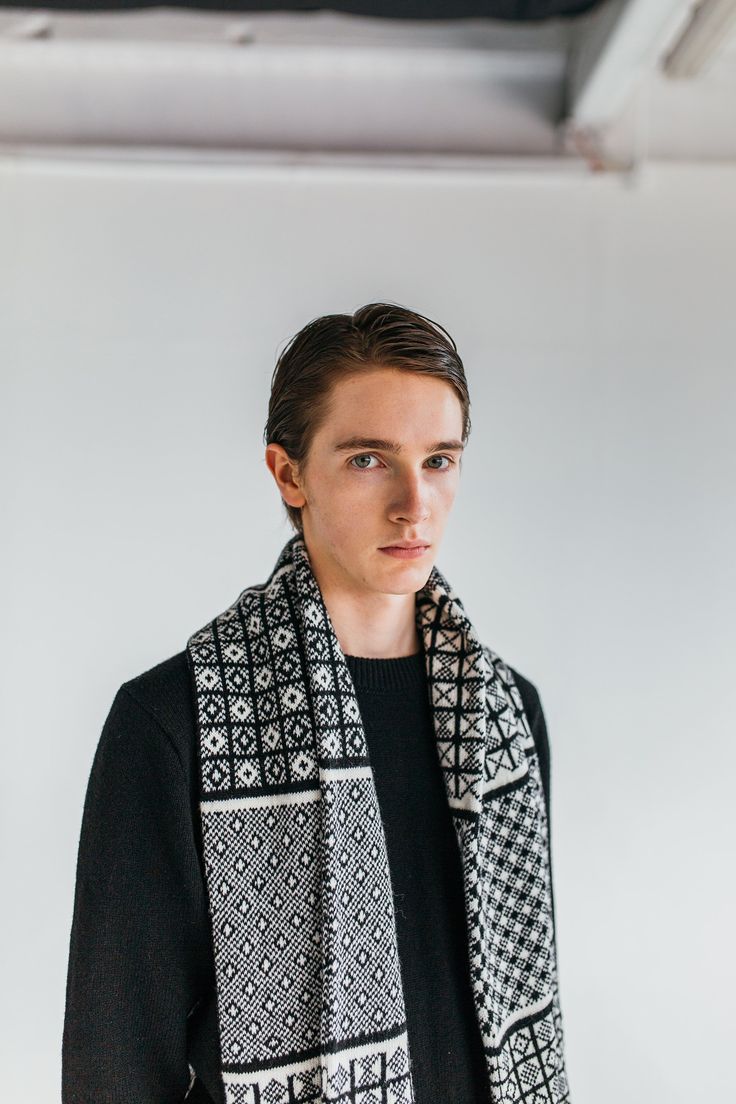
{"points": [[309, 992]]}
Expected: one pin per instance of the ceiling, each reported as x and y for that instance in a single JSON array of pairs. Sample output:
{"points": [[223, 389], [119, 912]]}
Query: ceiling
{"points": [[585, 84], [516, 10]]}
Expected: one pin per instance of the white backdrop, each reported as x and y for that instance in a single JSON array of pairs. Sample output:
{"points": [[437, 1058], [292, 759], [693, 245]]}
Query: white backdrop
{"points": [[593, 540]]}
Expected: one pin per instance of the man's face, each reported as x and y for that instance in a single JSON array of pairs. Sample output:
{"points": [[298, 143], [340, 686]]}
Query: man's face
{"points": [[362, 497]]}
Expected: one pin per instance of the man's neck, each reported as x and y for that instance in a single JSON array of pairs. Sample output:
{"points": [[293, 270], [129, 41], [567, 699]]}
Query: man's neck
{"points": [[368, 623], [376, 642]]}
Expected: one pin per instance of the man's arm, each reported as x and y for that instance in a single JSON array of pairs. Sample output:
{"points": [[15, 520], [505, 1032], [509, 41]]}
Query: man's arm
{"points": [[139, 938]]}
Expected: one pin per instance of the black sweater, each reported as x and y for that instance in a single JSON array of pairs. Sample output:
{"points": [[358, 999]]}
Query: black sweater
{"points": [[140, 994]]}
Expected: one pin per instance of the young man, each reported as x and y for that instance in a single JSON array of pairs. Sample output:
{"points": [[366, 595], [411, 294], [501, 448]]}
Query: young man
{"points": [[314, 862]]}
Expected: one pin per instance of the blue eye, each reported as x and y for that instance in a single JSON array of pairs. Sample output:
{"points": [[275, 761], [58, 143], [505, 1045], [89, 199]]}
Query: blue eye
{"points": [[371, 456]]}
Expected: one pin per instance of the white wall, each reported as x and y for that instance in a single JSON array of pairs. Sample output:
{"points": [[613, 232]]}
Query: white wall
{"points": [[592, 542]]}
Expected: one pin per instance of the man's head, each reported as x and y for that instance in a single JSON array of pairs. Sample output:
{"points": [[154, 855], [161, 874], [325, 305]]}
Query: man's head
{"points": [[366, 423]]}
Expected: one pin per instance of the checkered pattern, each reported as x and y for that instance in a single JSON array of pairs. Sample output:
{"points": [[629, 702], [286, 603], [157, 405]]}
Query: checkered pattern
{"points": [[309, 989]]}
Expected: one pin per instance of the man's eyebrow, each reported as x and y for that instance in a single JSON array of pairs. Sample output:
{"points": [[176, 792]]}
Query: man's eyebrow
{"points": [[351, 443]]}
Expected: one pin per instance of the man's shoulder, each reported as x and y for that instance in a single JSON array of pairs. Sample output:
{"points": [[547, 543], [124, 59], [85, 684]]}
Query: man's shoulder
{"points": [[527, 689], [164, 691]]}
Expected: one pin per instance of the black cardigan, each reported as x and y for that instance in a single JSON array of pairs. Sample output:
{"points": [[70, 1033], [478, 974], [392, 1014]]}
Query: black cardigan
{"points": [[140, 997]]}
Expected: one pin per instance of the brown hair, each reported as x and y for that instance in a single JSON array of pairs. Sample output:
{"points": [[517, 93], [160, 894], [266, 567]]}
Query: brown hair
{"points": [[336, 345]]}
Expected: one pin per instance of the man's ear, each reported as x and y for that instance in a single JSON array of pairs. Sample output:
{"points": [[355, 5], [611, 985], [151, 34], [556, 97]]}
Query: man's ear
{"points": [[286, 474]]}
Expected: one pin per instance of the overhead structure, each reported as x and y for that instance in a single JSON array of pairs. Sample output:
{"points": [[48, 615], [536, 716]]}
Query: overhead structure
{"points": [[540, 82]]}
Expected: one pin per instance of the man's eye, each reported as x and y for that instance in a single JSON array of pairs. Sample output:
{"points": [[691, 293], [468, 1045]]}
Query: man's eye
{"points": [[370, 456], [363, 456]]}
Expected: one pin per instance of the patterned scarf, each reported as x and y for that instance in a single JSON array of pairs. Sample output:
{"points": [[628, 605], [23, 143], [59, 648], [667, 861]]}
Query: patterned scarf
{"points": [[310, 1002]]}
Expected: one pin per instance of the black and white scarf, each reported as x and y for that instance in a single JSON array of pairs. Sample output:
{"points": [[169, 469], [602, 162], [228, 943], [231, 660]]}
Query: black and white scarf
{"points": [[309, 992]]}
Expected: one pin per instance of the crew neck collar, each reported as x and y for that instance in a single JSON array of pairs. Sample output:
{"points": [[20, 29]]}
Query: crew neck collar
{"points": [[387, 673]]}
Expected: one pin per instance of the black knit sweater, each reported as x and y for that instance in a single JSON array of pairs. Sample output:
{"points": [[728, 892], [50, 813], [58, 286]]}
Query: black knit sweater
{"points": [[140, 995]]}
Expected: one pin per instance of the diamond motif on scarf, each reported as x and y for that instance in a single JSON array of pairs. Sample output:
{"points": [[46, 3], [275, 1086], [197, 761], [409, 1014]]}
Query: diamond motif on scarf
{"points": [[309, 988]]}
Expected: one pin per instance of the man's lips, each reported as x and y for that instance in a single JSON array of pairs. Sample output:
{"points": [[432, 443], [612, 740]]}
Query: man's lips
{"points": [[403, 553], [418, 543]]}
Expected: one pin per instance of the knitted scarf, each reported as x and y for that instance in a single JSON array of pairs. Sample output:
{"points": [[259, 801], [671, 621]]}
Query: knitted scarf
{"points": [[309, 991]]}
